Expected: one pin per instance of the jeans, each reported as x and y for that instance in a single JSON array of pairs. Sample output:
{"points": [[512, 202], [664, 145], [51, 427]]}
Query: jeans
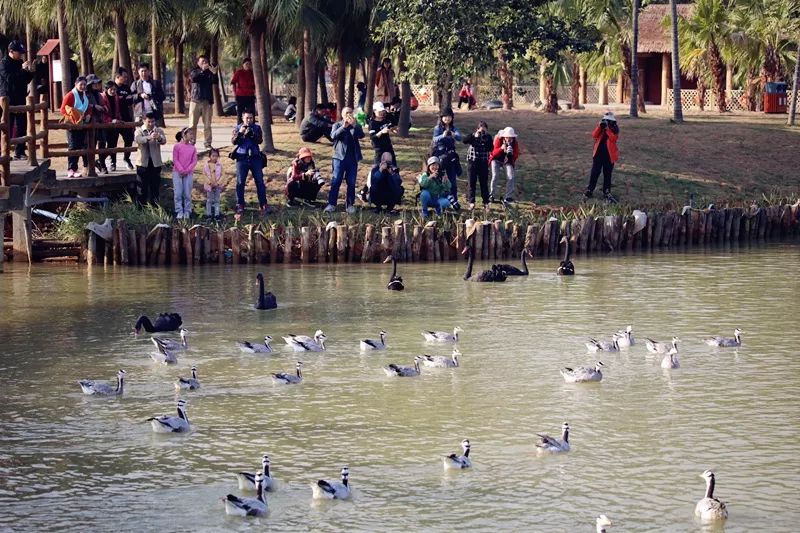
{"points": [[198, 110], [601, 163], [212, 202], [254, 165], [428, 200], [148, 186], [182, 188], [479, 172], [510, 174], [76, 140], [343, 169]]}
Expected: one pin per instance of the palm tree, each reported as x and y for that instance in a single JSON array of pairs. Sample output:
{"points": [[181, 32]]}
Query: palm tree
{"points": [[634, 59], [677, 104], [793, 105], [710, 29]]}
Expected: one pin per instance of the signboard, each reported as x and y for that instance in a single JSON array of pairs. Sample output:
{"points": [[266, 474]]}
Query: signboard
{"points": [[56, 73]]}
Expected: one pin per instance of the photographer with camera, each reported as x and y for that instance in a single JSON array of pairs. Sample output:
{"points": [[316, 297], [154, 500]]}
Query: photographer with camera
{"points": [[385, 186], [203, 76], [346, 155], [247, 137], [15, 75], [504, 155], [480, 146], [380, 126], [303, 179], [434, 188], [150, 138], [445, 135], [149, 95], [604, 155]]}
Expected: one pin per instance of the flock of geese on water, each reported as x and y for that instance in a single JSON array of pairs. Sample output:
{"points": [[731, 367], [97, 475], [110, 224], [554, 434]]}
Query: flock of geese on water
{"points": [[708, 508]]}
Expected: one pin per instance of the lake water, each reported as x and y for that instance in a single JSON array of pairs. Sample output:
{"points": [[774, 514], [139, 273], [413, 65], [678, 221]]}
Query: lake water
{"points": [[639, 439]]}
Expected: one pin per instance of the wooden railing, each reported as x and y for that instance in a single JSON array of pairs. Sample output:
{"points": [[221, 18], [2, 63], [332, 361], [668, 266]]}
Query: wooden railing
{"points": [[91, 150]]}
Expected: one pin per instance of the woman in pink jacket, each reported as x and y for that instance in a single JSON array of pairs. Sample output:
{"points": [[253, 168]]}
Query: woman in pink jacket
{"points": [[184, 159]]}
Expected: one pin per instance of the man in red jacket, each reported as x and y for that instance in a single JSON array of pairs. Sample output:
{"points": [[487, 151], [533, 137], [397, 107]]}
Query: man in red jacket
{"points": [[604, 156], [244, 88]]}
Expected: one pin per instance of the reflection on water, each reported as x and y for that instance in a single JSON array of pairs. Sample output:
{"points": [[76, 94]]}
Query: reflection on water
{"points": [[639, 439]]}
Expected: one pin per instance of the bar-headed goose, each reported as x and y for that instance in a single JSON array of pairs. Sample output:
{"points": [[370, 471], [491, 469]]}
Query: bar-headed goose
{"points": [[317, 345], [97, 388], [370, 344], [256, 347], [191, 383], [726, 342], [247, 480], [291, 337], [403, 371], [602, 522], [442, 336], [236, 506], [671, 359], [624, 337], [283, 378], [660, 347], [710, 508], [583, 374], [440, 361], [173, 345], [171, 424], [548, 444], [458, 462], [595, 345], [333, 490], [162, 355]]}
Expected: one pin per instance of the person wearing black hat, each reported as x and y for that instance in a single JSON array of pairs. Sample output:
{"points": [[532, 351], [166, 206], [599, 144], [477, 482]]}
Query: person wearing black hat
{"points": [[15, 75], [445, 135]]}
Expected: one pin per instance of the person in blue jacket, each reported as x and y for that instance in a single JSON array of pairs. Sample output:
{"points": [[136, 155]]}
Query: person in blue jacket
{"points": [[445, 136], [346, 155]]}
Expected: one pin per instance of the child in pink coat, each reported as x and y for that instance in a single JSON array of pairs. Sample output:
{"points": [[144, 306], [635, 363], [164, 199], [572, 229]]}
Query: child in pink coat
{"points": [[184, 159]]}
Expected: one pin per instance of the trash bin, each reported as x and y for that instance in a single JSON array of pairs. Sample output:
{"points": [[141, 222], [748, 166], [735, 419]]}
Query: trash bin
{"points": [[775, 97]]}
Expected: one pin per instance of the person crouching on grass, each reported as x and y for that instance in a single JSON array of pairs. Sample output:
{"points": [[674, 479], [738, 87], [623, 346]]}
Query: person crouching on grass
{"points": [[184, 159], [304, 181], [604, 155], [434, 188]]}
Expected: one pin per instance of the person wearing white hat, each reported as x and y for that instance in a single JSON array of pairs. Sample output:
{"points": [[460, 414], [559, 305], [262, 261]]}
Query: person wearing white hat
{"points": [[504, 155], [604, 155], [434, 188], [380, 126]]}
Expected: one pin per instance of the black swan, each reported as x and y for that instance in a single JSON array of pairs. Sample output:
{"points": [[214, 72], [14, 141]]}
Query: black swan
{"points": [[509, 270], [493, 275], [395, 282], [566, 268], [265, 300], [164, 322]]}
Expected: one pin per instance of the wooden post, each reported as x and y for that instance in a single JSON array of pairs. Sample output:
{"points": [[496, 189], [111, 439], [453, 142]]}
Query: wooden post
{"points": [[304, 245], [491, 251], [322, 244], [155, 239], [666, 74], [398, 243], [355, 242], [5, 147], [133, 244], [115, 251], [162, 251], [313, 243], [31, 132], [197, 239], [597, 237], [437, 250], [91, 248], [333, 249], [444, 239], [369, 238], [45, 150], [530, 239], [221, 246], [416, 243], [341, 244], [122, 230], [187, 246], [478, 241], [288, 243], [174, 247], [251, 244], [386, 242], [21, 231], [428, 236]]}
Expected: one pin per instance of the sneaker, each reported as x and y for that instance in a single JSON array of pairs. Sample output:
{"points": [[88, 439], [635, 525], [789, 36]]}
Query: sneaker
{"points": [[330, 208], [610, 198], [492, 199], [351, 209], [292, 203], [471, 206], [128, 164], [113, 167], [587, 195]]}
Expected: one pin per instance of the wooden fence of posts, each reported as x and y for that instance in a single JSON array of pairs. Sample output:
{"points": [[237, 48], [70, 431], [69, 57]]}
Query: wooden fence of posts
{"points": [[497, 239]]}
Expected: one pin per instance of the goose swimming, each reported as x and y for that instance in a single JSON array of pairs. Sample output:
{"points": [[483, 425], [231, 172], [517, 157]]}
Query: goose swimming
{"points": [[548, 444], [162, 355], [173, 345], [440, 361], [369, 344], [726, 342], [258, 347], [283, 378], [710, 508], [265, 300], [583, 374], [566, 268], [403, 371], [602, 522], [164, 322], [291, 338], [395, 281], [97, 388], [510, 270], [247, 480], [191, 383], [309, 346], [236, 506], [171, 424], [442, 336], [458, 462], [603, 346], [333, 490], [660, 347], [624, 337]]}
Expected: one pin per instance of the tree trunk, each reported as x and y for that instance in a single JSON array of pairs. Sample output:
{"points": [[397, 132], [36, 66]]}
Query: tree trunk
{"points": [[255, 34], [301, 88], [445, 91], [701, 94], [84, 48], [323, 85], [121, 30], [404, 124], [115, 60], [63, 46], [718, 76], [341, 80], [155, 49], [351, 87], [627, 76], [214, 58], [374, 61], [677, 103], [635, 60], [267, 81], [180, 87], [551, 95], [506, 82], [32, 84], [575, 84], [793, 103], [310, 66]]}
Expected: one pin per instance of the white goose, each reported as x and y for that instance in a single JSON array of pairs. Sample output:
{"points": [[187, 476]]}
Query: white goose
{"points": [[595, 345], [671, 359], [624, 337], [283, 378], [582, 373], [191, 383], [440, 361], [236, 506], [710, 508], [458, 462], [369, 344], [97, 388], [257, 347], [171, 424], [602, 522], [333, 490], [163, 355], [291, 337], [548, 444], [660, 347], [172, 345], [726, 342], [309, 346], [403, 371], [442, 336], [247, 480]]}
